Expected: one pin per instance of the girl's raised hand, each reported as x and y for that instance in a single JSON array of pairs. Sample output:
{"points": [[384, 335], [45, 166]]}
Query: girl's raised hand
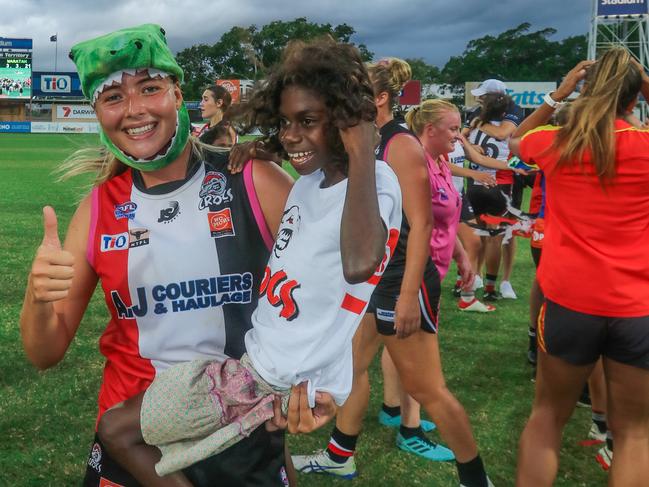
{"points": [[360, 139]]}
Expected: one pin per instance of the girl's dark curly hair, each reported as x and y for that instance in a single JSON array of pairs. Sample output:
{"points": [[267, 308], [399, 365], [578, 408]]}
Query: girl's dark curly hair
{"points": [[333, 70], [494, 106]]}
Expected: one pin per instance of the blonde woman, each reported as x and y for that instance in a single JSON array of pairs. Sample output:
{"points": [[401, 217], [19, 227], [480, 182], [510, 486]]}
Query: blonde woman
{"points": [[594, 272]]}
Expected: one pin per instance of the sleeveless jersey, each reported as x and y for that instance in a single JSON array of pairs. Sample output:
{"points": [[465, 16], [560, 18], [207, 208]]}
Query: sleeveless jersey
{"points": [[308, 312], [390, 284], [180, 271]]}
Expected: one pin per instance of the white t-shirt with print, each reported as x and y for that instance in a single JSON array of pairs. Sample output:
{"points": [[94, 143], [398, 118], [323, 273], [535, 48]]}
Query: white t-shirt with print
{"points": [[457, 158], [307, 313]]}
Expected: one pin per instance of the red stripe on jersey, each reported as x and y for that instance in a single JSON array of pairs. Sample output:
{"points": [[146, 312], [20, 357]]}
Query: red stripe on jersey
{"points": [[353, 304], [126, 372]]}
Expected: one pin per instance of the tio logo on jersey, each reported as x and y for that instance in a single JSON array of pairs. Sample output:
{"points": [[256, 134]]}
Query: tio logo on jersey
{"points": [[56, 84], [114, 242]]}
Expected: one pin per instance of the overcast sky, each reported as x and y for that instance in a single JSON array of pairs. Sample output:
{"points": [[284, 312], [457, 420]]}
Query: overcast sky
{"points": [[430, 29]]}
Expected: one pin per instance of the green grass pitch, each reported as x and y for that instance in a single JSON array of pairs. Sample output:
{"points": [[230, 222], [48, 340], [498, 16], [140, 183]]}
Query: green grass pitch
{"points": [[47, 418]]}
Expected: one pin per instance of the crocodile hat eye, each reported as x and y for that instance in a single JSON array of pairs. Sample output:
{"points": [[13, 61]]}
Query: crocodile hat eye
{"points": [[138, 44], [113, 52], [71, 56], [163, 31]]}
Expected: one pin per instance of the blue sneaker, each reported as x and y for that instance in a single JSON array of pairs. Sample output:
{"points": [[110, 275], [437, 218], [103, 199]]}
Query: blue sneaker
{"points": [[425, 448], [395, 421]]}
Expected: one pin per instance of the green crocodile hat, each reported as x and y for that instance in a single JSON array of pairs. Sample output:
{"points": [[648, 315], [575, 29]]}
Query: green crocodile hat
{"points": [[141, 47], [102, 61]]}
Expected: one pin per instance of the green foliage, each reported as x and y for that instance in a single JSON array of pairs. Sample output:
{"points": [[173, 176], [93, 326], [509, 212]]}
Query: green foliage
{"points": [[248, 53], [423, 72], [516, 55]]}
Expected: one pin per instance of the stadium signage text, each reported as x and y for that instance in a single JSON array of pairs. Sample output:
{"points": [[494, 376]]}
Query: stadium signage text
{"points": [[621, 7], [525, 94], [8, 43], [55, 84], [15, 127], [75, 111]]}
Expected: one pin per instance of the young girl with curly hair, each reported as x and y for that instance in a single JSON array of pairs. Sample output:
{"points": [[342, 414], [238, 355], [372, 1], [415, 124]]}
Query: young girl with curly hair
{"points": [[317, 108]]}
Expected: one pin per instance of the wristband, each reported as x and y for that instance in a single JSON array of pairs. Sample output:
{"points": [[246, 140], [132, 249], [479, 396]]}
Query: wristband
{"points": [[547, 99]]}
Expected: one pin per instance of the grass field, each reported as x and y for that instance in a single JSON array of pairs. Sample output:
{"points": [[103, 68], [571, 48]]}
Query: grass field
{"points": [[47, 418]]}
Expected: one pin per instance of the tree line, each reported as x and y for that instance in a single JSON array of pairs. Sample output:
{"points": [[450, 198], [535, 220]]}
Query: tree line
{"points": [[518, 54]]}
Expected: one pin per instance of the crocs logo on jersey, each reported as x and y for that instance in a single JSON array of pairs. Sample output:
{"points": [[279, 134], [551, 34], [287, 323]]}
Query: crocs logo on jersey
{"points": [[94, 461], [278, 289], [214, 190], [125, 210], [221, 224], [283, 477], [390, 245], [288, 226]]}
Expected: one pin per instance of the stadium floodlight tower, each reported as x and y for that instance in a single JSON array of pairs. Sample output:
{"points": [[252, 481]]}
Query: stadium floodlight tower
{"points": [[621, 23]]}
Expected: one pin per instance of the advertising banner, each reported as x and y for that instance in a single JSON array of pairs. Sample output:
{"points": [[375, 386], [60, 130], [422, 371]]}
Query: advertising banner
{"points": [[56, 84], [65, 128], [621, 7], [15, 127], [411, 93], [233, 86], [526, 94], [72, 112]]}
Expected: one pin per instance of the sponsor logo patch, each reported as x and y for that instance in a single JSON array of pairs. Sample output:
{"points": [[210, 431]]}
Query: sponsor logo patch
{"points": [[138, 237], [214, 190], [184, 296], [109, 243], [169, 214], [385, 315], [221, 224], [125, 210]]}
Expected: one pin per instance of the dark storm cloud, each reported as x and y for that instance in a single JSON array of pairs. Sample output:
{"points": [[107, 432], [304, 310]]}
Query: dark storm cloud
{"points": [[429, 29]]}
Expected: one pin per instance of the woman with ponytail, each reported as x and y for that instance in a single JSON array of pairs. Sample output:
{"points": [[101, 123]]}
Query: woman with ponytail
{"points": [[595, 271]]}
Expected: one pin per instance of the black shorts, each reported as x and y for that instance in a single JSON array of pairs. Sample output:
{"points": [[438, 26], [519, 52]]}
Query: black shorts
{"points": [[520, 183], [491, 201], [382, 306], [580, 338], [257, 460], [466, 215]]}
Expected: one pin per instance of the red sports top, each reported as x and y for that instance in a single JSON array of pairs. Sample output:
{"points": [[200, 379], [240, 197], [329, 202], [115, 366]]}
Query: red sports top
{"points": [[596, 245]]}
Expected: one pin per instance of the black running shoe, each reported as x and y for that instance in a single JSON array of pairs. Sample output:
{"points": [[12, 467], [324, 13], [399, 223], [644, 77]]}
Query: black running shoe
{"points": [[457, 290], [491, 296]]}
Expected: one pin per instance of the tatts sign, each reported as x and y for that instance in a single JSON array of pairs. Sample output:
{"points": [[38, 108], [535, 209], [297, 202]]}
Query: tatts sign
{"points": [[233, 86]]}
